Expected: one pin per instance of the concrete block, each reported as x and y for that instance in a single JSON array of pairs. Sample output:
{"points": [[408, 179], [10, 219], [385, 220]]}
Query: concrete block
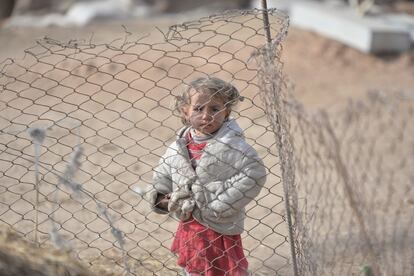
{"points": [[283, 5], [369, 33], [402, 20]]}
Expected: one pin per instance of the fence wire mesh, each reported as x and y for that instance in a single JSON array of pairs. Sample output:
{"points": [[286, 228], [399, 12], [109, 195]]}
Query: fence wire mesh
{"points": [[352, 197], [348, 178], [83, 126]]}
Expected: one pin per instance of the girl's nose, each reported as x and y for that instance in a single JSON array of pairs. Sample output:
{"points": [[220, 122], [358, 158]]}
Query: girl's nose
{"points": [[206, 115]]}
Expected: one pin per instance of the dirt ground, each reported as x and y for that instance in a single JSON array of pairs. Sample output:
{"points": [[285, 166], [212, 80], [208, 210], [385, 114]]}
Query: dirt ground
{"points": [[323, 71], [325, 74]]}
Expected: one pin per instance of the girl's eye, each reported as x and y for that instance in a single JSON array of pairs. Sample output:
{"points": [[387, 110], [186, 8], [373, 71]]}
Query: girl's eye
{"points": [[216, 109], [197, 109]]}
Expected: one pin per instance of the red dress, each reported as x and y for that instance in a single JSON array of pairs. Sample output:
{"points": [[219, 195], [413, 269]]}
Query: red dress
{"points": [[203, 251]]}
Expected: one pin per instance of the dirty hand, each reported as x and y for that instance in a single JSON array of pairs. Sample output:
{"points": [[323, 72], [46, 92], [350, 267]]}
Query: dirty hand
{"points": [[162, 201]]}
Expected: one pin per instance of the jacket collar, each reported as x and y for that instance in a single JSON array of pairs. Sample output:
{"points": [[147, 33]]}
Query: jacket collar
{"points": [[228, 130]]}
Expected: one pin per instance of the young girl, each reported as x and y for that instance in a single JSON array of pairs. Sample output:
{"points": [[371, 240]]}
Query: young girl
{"points": [[205, 179]]}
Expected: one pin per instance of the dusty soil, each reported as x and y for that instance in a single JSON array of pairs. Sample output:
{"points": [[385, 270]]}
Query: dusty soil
{"points": [[325, 74]]}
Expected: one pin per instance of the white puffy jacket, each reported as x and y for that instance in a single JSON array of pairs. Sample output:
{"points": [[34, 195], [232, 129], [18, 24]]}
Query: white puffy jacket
{"points": [[228, 176]]}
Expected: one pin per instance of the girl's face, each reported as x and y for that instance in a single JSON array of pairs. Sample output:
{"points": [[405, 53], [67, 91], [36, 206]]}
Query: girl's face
{"points": [[205, 113]]}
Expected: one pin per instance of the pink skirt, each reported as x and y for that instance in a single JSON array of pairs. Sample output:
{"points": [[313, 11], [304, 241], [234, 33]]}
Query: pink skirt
{"points": [[202, 251]]}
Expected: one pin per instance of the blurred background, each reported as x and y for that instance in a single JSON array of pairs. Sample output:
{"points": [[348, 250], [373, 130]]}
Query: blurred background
{"points": [[323, 70], [334, 51]]}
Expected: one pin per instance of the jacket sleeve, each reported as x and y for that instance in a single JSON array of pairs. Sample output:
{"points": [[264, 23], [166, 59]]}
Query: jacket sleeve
{"points": [[226, 198], [161, 183]]}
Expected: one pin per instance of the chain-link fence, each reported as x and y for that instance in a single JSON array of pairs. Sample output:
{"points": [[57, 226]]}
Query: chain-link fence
{"points": [[352, 196], [348, 179], [84, 125]]}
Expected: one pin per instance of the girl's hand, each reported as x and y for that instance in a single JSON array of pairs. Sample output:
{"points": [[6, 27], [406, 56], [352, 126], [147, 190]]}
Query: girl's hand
{"points": [[162, 202], [181, 204]]}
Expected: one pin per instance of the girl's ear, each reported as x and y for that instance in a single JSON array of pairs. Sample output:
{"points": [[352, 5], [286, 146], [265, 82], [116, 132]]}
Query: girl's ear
{"points": [[184, 110], [184, 113]]}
